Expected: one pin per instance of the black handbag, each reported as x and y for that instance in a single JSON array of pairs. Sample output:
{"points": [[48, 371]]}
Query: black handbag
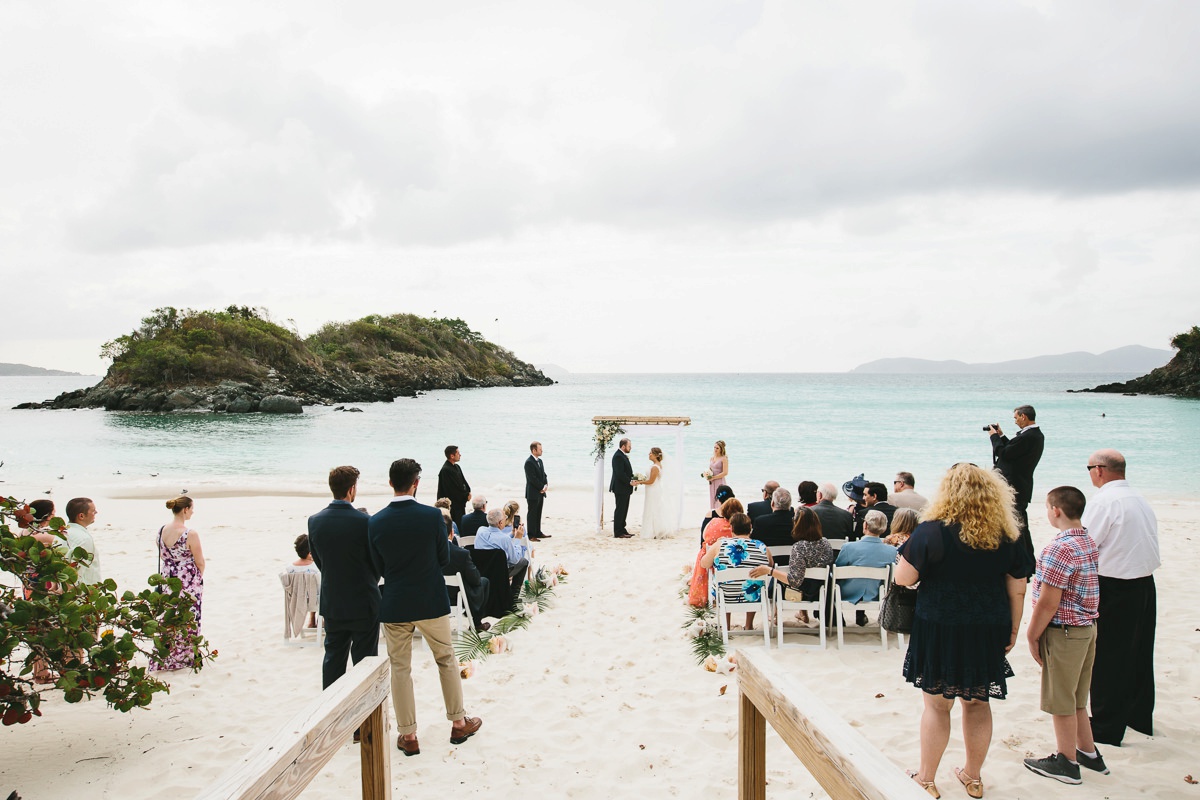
{"points": [[898, 609]]}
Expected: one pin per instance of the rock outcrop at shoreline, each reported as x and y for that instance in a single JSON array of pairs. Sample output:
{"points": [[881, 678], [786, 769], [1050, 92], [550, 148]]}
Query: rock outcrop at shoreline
{"points": [[238, 361], [1181, 377]]}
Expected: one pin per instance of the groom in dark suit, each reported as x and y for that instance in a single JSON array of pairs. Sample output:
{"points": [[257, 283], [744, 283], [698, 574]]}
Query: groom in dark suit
{"points": [[1016, 459], [410, 549], [337, 536], [535, 491], [621, 488]]}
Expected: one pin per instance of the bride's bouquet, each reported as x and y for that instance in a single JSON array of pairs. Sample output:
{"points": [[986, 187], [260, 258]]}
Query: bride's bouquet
{"points": [[707, 475], [637, 476]]}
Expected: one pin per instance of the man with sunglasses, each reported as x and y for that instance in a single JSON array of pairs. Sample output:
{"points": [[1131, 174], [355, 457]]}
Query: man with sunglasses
{"points": [[1016, 459], [1125, 531]]}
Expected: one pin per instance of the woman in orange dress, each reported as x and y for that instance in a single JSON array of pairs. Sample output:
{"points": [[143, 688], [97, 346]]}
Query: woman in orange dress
{"points": [[717, 529]]}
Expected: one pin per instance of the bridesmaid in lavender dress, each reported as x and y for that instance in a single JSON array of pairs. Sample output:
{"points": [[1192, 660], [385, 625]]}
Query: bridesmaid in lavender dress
{"points": [[719, 469], [181, 557]]}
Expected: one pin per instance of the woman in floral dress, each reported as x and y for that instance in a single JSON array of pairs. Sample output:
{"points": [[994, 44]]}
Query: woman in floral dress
{"points": [[736, 551], [180, 556]]}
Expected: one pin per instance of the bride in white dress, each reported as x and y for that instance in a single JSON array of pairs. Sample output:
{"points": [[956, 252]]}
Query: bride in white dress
{"points": [[656, 516]]}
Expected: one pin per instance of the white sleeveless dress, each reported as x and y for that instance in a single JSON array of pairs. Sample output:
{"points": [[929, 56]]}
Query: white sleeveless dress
{"points": [[656, 517]]}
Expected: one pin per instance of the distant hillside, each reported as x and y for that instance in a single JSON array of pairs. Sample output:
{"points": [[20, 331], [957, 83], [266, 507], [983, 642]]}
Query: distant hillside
{"points": [[14, 370], [1133, 358], [239, 360], [553, 370], [1181, 377]]}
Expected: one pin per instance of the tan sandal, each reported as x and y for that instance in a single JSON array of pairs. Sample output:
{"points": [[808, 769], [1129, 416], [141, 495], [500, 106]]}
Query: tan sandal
{"points": [[929, 786], [974, 786]]}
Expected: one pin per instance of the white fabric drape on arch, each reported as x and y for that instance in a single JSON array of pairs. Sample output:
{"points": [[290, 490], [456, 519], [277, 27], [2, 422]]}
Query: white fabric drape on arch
{"points": [[643, 437]]}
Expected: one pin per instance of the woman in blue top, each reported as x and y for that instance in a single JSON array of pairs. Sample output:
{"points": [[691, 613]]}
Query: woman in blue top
{"points": [[739, 551]]}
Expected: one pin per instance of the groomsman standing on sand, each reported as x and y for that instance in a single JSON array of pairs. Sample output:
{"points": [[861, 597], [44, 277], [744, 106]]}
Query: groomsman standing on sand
{"points": [[410, 549], [337, 536], [535, 491], [453, 485], [621, 488], [1016, 459]]}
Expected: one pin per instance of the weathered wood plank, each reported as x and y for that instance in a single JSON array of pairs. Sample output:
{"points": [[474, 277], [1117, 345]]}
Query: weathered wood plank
{"points": [[282, 766], [752, 751], [846, 765]]}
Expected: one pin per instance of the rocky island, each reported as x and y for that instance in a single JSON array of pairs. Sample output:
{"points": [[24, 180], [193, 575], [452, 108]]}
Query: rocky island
{"points": [[1180, 377], [238, 360]]}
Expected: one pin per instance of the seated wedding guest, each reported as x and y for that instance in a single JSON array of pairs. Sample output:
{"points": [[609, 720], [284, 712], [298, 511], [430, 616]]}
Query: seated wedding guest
{"points": [[444, 503], [904, 494], [809, 549], [475, 585], [759, 507], [776, 528], [723, 493], [739, 550], [512, 511], [471, 523], [875, 496], [836, 523], [304, 563], [870, 551], [38, 528], [719, 529], [806, 494], [496, 536], [903, 523]]}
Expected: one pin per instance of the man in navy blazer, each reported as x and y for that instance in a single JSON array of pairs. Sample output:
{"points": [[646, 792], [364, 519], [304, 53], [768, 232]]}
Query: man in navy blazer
{"points": [[337, 536], [410, 549], [1016, 459]]}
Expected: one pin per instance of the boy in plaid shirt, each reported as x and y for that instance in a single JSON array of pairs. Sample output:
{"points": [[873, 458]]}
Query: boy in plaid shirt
{"points": [[1062, 636]]}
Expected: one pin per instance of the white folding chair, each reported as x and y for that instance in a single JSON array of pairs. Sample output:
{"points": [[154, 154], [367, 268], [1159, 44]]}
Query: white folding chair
{"points": [[460, 614], [466, 541], [740, 575], [836, 544], [779, 551], [841, 608], [814, 608]]}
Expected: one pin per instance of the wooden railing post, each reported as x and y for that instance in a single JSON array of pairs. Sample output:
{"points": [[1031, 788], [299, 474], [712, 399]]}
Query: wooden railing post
{"points": [[374, 755], [752, 751]]}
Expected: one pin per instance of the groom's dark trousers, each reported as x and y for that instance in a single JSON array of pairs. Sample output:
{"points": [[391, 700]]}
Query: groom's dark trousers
{"points": [[622, 491]]}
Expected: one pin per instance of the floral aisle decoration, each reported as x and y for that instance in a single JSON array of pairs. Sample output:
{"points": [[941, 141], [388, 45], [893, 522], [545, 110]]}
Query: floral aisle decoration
{"points": [[536, 596], [705, 633], [605, 432]]}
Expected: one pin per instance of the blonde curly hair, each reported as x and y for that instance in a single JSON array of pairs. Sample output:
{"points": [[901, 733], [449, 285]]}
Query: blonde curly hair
{"points": [[980, 501]]}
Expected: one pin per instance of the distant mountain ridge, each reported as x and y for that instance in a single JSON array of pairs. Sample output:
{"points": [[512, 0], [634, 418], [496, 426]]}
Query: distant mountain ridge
{"points": [[22, 370], [1132, 358]]}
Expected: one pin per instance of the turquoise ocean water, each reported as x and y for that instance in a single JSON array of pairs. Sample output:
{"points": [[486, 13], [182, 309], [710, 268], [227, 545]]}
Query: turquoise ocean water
{"points": [[789, 427]]}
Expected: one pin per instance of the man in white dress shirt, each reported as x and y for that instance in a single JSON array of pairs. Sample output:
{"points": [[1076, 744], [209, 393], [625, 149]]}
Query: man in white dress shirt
{"points": [[1125, 531], [81, 513]]}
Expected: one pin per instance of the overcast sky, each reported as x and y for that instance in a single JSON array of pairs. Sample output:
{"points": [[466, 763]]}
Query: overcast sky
{"points": [[616, 186]]}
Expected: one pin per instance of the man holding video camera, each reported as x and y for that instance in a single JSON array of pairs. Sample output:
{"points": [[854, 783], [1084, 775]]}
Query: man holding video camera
{"points": [[1016, 459]]}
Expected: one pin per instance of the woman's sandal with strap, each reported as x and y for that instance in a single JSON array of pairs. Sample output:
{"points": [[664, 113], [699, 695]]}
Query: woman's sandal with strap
{"points": [[974, 786], [929, 786]]}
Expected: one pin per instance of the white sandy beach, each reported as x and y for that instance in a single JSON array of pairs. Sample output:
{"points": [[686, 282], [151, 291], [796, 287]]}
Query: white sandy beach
{"points": [[600, 694]]}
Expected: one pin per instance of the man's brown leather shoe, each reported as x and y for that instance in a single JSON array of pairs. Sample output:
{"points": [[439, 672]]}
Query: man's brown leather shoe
{"points": [[409, 747], [470, 725]]}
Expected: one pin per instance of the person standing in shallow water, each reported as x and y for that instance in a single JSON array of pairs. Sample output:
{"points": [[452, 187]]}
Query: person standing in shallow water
{"points": [[180, 556]]}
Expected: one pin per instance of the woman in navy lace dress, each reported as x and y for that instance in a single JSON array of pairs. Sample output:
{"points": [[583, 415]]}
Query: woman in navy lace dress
{"points": [[969, 604]]}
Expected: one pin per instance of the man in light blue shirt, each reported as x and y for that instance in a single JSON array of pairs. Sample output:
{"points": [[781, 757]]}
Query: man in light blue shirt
{"points": [[81, 513], [869, 551], [512, 543]]}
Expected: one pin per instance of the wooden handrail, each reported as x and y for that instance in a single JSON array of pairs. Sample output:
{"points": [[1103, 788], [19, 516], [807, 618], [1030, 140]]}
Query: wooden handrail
{"points": [[846, 765], [282, 766]]}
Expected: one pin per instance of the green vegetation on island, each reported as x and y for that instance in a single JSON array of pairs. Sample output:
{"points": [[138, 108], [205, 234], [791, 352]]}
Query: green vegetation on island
{"points": [[237, 359], [1180, 377]]}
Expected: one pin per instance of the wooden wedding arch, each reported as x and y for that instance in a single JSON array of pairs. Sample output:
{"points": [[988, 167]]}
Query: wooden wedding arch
{"points": [[630, 426]]}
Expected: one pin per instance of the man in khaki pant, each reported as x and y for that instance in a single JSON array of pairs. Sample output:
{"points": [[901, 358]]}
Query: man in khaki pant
{"points": [[409, 548]]}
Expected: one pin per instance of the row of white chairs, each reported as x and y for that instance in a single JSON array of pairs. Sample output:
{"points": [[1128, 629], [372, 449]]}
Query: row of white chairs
{"points": [[815, 608]]}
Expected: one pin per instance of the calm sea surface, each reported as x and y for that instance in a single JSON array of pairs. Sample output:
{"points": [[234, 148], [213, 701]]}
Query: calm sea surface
{"points": [[789, 427]]}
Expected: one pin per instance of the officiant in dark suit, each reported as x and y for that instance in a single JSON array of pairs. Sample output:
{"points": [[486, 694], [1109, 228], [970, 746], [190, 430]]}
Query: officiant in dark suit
{"points": [[349, 601], [535, 492], [621, 488], [452, 484], [1016, 459], [410, 548]]}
